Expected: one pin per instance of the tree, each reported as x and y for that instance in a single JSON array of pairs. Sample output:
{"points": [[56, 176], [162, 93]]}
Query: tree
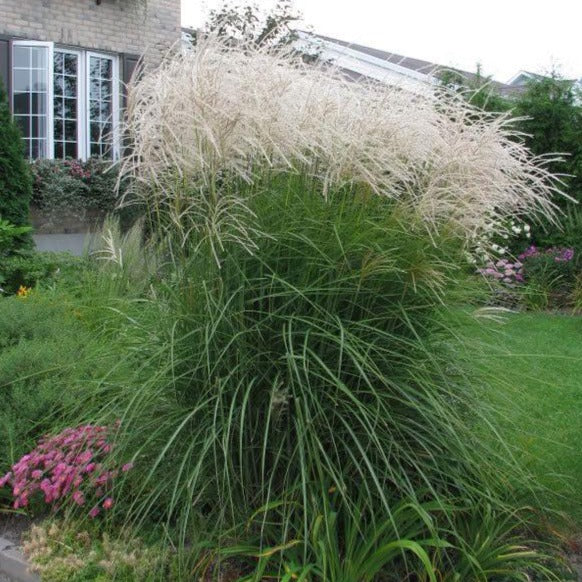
{"points": [[478, 89], [15, 175], [246, 22], [553, 123]]}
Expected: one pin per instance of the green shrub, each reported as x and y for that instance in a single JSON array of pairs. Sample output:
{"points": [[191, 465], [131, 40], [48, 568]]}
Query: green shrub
{"points": [[47, 357], [550, 276], [9, 235], [74, 188], [568, 235], [15, 178], [30, 268]]}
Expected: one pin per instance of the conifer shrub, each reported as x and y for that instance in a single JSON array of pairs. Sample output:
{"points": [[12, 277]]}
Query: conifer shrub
{"points": [[15, 176]]}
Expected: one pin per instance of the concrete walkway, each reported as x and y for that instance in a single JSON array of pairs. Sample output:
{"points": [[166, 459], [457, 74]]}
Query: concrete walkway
{"points": [[13, 566], [73, 243]]}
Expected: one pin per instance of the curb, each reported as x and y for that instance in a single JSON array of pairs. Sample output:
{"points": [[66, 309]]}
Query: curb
{"points": [[13, 565]]}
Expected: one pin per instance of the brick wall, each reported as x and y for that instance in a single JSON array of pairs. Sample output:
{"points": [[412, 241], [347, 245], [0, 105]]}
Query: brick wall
{"points": [[137, 27]]}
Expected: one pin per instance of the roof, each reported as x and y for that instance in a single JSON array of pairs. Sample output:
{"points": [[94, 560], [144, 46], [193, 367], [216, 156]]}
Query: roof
{"points": [[419, 67]]}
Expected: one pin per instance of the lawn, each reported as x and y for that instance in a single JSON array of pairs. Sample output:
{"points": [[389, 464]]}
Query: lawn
{"points": [[533, 365]]}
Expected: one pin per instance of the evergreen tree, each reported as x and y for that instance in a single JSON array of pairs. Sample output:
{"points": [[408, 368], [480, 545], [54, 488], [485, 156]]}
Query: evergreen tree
{"points": [[553, 123], [15, 175]]}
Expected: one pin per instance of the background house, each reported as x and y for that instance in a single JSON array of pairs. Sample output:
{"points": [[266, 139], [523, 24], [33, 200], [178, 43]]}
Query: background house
{"points": [[413, 74]]}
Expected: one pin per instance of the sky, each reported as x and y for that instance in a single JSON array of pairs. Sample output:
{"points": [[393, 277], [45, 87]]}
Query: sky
{"points": [[503, 36]]}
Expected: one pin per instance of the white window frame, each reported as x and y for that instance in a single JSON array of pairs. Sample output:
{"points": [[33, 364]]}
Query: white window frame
{"points": [[115, 97], [83, 129], [81, 99], [49, 84]]}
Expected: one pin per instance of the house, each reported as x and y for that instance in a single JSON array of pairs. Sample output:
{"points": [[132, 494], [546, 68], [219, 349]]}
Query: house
{"points": [[65, 65], [521, 79], [65, 62], [357, 61]]}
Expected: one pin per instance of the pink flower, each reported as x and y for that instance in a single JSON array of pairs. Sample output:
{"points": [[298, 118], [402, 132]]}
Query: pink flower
{"points": [[57, 468], [78, 497], [127, 467], [94, 512]]}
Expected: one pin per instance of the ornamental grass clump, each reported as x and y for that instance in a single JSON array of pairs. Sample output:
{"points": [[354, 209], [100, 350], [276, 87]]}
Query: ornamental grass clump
{"points": [[294, 341]]}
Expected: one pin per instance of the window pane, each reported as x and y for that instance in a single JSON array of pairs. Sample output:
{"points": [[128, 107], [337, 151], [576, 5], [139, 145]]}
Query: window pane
{"points": [[70, 86], [59, 150], [39, 57], [71, 64], [58, 85], [95, 67], [101, 95], [38, 148], [95, 132], [29, 100], [94, 110], [23, 122], [106, 69], [106, 90], [38, 125], [59, 130], [38, 79], [21, 103], [38, 103], [71, 150], [21, 80], [94, 89], [70, 130], [70, 110], [21, 57], [59, 63], [65, 109], [105, 111]]}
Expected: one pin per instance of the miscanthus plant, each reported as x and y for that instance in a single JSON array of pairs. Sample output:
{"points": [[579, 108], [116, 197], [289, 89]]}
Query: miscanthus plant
{"points": [[294, 342], [217, 112]]}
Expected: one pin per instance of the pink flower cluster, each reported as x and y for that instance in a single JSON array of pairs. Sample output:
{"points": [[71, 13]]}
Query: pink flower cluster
{"points": [[508, 272], [70, 465], [77, 170], [559, 254]]}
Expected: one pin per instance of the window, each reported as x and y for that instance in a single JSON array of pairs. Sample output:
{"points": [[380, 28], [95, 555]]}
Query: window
{"points": [[66, 102], [66, 111], [101, 111], [30, 92]]}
